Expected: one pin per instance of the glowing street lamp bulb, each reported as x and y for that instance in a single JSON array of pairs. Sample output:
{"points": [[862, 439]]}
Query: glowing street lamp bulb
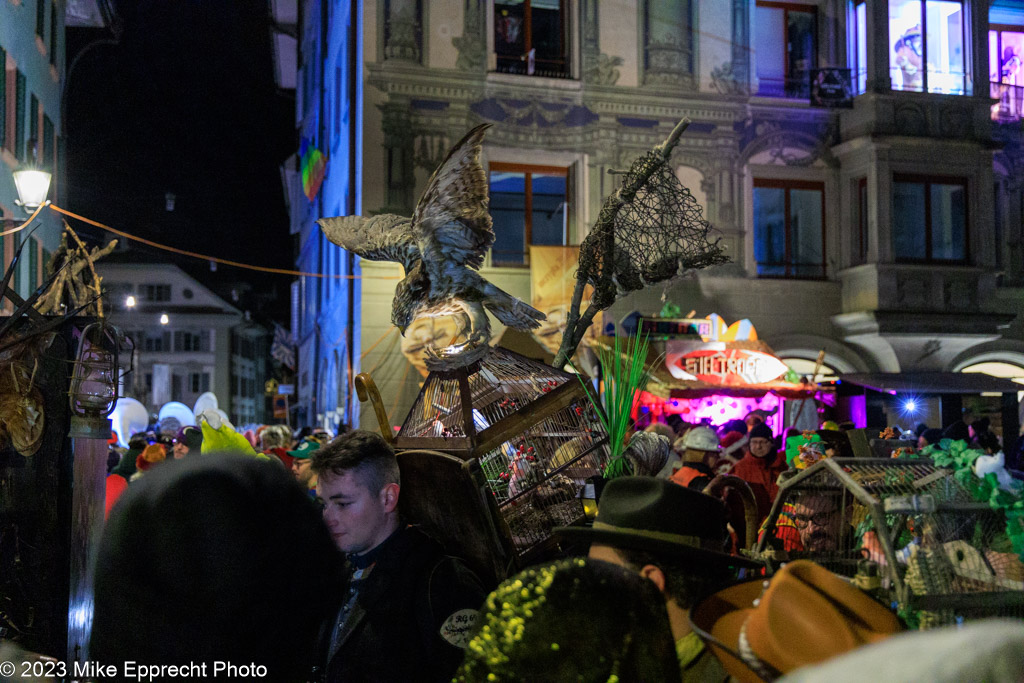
{"points": [[130, 301], [164, 319], [910, 405]]}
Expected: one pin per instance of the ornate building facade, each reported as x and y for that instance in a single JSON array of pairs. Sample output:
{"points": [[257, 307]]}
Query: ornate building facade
{"points": [[887, 234]]}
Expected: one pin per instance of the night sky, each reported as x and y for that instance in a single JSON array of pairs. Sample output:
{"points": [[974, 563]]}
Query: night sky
{"points": [[187, 104]]}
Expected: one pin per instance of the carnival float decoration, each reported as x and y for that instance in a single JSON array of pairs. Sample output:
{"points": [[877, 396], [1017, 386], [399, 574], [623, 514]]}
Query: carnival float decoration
{"points": [[519, 438], [939, 533]]}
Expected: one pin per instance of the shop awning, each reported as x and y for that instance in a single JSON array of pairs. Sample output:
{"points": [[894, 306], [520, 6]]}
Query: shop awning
{"points": [[923, 383]]}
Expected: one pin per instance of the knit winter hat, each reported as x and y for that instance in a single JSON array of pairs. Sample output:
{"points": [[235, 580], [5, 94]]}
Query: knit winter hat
{"points": [[151, 455], [192, 437]]}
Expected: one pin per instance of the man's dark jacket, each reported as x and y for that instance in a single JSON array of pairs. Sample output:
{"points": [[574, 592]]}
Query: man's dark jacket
{"points": [[411, 618]]}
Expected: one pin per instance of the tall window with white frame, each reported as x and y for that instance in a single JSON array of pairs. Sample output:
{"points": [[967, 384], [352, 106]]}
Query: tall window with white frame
{"points": [[785, 47], [528, 207], [789, 228], [531, 37], [928, 46]]}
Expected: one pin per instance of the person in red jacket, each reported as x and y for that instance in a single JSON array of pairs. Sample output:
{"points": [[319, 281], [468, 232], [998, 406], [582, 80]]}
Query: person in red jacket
{"points": [[761, 467]]}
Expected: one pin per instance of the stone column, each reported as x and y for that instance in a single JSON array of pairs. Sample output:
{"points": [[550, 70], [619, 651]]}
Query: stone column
{"points": [[668, 44], [598, 68], [879, 41], [741, 45], [398, 158], [403, 30], [472, 44]]}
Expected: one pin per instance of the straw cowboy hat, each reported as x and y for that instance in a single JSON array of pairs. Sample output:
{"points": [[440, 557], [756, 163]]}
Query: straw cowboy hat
{"points": [[805, 614]]}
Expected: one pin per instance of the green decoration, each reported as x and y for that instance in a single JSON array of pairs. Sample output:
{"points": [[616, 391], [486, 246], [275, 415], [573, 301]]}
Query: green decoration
{"points": [[670, 310], [625, 376]]}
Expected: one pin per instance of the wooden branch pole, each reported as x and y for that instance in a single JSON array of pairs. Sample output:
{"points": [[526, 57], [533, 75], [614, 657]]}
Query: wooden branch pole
{"points": [[576, 327]]}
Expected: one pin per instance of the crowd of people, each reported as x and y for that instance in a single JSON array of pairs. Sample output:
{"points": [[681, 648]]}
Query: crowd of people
{"points": [[299, 564], [302, 563]]}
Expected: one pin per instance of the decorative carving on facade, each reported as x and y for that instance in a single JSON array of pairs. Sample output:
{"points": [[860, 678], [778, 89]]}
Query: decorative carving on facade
{"points": [[403, 30], [791, 146], [601, 69], [910, 119], [472, 44], [430, 150], [533, 113], [955, 122], [727, 82]]}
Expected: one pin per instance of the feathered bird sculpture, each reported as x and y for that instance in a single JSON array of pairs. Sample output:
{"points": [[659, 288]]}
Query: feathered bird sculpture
{"points": [[441, 248]]}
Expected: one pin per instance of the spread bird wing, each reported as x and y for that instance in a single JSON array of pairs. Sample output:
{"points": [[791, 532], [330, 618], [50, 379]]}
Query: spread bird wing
{"points": [[451, 221], [386, 237]]}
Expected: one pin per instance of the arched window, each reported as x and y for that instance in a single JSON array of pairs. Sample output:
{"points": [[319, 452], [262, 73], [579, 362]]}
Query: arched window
{"points": [[805, 368], [1000, 369]]}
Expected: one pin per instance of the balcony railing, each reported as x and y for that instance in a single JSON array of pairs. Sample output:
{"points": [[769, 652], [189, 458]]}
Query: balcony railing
{"points": [[1009, 104], [798, 88]]}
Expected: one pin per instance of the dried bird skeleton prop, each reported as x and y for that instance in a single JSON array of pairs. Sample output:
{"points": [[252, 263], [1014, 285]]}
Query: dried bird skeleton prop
{"points": [[441, 248], [650, 230], [76, 285]]}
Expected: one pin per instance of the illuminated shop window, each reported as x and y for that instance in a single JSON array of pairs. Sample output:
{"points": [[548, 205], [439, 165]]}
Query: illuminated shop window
{"points": [[927, 46]]}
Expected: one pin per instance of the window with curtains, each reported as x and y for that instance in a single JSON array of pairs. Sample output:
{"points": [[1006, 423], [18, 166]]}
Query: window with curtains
{"points": [[929, 219], [531, 37], [528, 207], [789, 228], [785, 46], [928, 42]]}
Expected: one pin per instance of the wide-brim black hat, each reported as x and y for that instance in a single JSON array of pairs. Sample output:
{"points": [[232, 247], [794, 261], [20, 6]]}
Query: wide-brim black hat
{"points": [[644, 513]]}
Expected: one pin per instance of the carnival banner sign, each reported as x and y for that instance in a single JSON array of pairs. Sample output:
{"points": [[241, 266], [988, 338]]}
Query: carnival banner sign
{"points": [[729, 367]]}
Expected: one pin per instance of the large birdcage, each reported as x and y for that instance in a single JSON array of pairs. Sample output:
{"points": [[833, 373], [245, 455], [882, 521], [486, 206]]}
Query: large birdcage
{"points": [[533, 429], [906, 529]]}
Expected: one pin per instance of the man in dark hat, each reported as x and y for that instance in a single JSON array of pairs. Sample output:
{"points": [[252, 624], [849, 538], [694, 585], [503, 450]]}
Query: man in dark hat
{"points": [[675, 537], [189, 441], [410, 608]]}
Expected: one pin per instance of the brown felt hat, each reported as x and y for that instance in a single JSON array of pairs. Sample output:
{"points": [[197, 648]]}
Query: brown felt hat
{"points": [[804, 614]]}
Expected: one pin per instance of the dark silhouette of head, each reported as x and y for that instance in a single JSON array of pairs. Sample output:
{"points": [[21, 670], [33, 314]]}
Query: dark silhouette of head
{"points": [[217, 558]]}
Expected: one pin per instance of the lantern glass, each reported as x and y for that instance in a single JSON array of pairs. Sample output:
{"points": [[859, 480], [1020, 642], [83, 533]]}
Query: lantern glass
{"points": [[33, 184], [94, 386]]}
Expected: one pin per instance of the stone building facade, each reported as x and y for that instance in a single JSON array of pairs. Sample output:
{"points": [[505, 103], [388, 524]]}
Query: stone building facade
{"points": [[887, 234]]}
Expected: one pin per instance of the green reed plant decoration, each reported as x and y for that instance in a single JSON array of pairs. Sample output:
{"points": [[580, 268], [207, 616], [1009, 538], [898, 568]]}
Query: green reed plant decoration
{"points": [[625, 376]]}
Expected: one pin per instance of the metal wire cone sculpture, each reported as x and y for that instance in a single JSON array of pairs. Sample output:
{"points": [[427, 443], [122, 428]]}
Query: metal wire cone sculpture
{"points": [[649, 230]]}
